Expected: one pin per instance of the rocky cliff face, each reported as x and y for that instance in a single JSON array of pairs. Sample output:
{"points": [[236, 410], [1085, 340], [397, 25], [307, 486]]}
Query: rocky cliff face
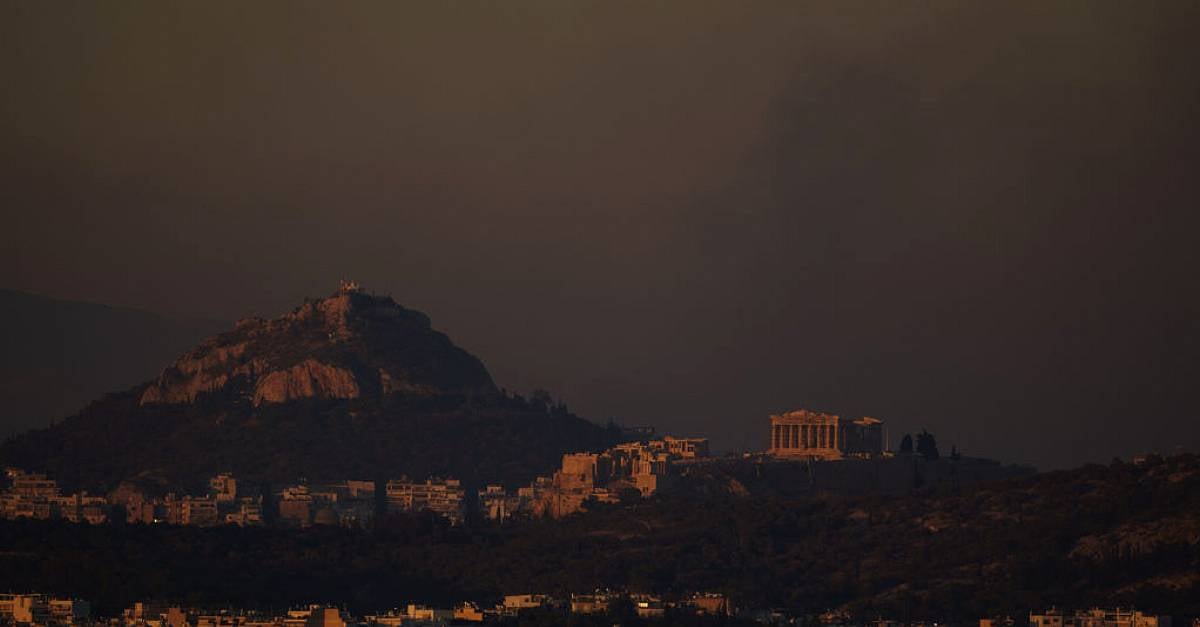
{"points": [[309, 378], [348, 345]]}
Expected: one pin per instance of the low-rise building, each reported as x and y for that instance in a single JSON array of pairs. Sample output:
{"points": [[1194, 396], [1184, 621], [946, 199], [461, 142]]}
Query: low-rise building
{"points": [[295, 506], [223, 487], [648, 606], [495, 503], [1096, 617], [440, 496], [1052, 617], [468, 613], [325, 617], [425, 613], [145, 613], [69, 611], [245, 512], [31, 495], [24, 608], [590, 603], [710, 603], [518, 602], [1104, 617], [32, 485]]}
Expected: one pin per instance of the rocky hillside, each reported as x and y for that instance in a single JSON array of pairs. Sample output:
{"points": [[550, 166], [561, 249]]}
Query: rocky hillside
{"points": [[352, 385], [349, 345]]}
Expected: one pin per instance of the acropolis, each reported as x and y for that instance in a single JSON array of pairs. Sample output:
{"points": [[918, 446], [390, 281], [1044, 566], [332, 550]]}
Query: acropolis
{"points": [[810, 434]]}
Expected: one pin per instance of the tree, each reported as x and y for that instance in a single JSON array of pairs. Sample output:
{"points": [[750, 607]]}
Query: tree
{"points": [[927, 445], [541, 400], [906, 444], [629, 496]]}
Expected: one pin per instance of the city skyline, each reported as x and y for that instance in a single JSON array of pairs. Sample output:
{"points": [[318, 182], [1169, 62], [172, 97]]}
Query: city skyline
{"points": [[834, 313]]}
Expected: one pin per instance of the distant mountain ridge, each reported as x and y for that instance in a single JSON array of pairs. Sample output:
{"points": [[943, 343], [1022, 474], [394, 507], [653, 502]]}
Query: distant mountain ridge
{"points": [[58, 355], [352, 385]]}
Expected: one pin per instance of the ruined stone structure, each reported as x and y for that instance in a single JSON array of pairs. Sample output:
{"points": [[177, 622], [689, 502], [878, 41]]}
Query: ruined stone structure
{"points": [[686, 448], [644, 466], [810, 434]]}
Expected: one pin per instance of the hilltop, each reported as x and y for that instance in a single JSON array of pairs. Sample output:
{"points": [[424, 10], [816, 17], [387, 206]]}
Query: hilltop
{"points": [[350, 385], [347, 346]]}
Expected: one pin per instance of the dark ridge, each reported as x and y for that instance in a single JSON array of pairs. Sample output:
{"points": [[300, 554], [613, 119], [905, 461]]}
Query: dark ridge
{"points": [[59, 355], [349, 386]]}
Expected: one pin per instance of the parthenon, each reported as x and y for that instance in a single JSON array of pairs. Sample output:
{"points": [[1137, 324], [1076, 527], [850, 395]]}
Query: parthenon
{"points": [[804, 433]]}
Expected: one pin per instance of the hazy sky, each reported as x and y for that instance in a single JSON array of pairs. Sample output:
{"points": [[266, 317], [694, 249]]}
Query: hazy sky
{"points": [[979, 218]]}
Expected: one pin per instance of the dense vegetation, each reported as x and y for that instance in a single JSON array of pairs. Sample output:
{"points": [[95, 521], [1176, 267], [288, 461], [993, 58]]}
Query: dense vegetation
{"points": [[1117, 534]]}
